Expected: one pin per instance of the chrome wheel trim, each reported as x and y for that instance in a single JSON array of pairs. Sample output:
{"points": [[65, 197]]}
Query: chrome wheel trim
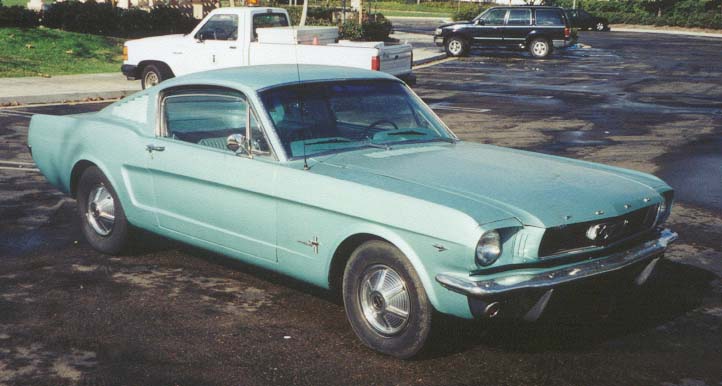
{"points": [[455, 47], [100, 210], [540, 48], [384, 299], [600, 26], [151, 79]]}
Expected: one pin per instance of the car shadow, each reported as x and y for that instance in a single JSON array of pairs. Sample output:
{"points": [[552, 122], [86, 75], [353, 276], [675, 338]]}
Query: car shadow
{"points": [[582, 320]]}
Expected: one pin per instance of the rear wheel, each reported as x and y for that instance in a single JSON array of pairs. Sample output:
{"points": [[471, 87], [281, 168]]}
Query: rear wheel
{"points": [[385, 301], [600, 26], [102, 217], [540, 48], [456, 46]]}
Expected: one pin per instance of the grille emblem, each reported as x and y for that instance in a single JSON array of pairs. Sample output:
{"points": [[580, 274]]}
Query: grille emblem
{"points": [[606, 231]]}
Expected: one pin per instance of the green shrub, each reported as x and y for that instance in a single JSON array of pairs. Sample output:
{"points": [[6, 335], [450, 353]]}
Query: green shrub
{"points": [[18, 17], [376, 28], [466, 14], [350, 30]]}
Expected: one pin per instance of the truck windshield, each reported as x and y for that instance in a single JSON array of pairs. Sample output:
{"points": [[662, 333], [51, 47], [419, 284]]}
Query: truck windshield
{"points": [[327, 117]]}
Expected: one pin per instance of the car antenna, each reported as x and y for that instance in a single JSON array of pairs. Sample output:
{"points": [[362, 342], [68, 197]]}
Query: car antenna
{"points": [[300, 108]]}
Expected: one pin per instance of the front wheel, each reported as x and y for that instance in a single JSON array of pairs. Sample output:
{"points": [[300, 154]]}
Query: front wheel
{"points": [[600, 27], [385, 301], [152, 75], [456, 46], [540, 48], [102, 217]]}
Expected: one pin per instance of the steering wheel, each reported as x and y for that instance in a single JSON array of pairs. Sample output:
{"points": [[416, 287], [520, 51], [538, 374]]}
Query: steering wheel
{"points": [[376, 123]]}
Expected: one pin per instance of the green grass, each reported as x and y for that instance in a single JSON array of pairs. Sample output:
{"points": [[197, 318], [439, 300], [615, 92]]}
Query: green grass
{"points": [[22, 3], [393, 12], [44, 51]]}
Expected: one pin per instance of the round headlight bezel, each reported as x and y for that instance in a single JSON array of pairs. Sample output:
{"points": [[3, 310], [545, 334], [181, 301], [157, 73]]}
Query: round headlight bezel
{"points": [[488, 248], [437, 32]]}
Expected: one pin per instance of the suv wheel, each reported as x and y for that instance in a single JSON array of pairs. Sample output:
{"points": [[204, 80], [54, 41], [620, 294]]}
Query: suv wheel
{"points": [[456, 46], [600, 26], [540, 48]]}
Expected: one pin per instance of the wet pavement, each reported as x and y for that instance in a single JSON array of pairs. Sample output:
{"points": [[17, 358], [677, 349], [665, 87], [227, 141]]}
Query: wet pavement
{"points": [[169, 314]]}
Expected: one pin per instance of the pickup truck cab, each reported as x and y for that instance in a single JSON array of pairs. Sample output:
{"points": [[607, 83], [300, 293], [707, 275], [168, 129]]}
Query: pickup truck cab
{"points": [[229, 37], [537, 28]]}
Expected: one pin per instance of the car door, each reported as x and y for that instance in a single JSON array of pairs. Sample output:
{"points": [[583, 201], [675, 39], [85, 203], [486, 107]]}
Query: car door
{"points": [[203, 190], [217, 42], [488, 29], [517, 26]]}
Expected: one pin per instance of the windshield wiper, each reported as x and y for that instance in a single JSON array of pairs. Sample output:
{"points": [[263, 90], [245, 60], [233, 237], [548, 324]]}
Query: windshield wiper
{"points": [[327, 141], [407, 132]]}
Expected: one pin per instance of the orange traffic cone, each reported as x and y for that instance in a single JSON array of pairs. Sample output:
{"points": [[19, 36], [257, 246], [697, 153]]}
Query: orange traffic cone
{"points": [[315, 40]]}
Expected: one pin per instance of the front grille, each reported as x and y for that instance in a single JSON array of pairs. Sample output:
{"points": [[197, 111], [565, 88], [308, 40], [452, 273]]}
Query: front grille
{"points": [[571, 237]]}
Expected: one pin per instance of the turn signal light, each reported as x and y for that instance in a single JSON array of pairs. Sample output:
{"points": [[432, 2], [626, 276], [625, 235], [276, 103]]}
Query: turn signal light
{"points": [[567, 32], [125, 52], [375, 63]]}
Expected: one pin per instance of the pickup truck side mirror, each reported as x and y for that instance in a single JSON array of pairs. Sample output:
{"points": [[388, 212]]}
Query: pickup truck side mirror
{"points": [[201, 37], [237, 143]]}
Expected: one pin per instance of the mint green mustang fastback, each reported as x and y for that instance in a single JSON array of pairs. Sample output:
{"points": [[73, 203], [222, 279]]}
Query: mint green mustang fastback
{"points": [[345, 179]]}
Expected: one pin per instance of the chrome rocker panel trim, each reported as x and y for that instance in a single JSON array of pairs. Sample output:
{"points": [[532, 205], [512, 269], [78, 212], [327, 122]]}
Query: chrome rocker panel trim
{"points": [[517, 281]]}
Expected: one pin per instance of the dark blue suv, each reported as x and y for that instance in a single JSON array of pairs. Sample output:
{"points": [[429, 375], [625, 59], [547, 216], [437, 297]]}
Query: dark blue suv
{"points": [[539, 29]]}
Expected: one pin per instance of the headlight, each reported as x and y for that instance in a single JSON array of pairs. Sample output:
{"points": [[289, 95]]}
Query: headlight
{"points": [[665, 207], [438, 31], [488, 248]]}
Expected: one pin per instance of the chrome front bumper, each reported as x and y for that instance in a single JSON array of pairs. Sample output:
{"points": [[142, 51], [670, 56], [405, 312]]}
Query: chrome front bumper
{"points": [[517, 280]]}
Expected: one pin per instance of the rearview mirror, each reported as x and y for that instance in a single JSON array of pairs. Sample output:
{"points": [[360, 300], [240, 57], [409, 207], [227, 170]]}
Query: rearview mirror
{"points": [[237, 143]]}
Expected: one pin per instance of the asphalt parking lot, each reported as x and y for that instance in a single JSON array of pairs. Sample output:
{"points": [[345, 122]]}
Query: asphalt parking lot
{"points": [[168, 314]]}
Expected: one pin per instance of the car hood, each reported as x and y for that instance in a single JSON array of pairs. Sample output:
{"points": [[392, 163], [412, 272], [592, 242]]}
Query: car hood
{"points": [[155, 40], [456, 23], [484, 180]]}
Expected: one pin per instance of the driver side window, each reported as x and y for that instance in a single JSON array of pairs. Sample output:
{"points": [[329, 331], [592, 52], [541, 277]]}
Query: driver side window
{"points": [[219, 27], [208, 117], [495, 17]]}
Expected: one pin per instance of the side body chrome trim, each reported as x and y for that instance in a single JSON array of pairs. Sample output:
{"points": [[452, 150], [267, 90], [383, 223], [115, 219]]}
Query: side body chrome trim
{"points": [[516, 281]]}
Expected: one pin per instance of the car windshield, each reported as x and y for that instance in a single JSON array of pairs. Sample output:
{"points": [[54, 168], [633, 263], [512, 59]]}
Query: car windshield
{"points": [[328, 117]]}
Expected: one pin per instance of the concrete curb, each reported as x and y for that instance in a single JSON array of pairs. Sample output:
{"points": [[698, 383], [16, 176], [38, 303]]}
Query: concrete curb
{"points": [[428, 59], [668, 32], [65, 97]]}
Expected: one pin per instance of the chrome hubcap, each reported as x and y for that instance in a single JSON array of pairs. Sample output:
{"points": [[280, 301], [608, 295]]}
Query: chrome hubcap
{"points": [[600, 26], [151, 79], [101, 210], [540, 48], [384, 300], [455, 47]]}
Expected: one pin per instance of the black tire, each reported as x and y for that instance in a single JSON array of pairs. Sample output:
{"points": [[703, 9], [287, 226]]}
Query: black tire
{"points": [[456, 46], [118, 232], [411, 335], [540, 48], [153, 74]]}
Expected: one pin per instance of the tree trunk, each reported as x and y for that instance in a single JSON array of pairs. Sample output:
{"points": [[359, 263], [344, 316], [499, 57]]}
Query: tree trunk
{"points": [[304, 12]]}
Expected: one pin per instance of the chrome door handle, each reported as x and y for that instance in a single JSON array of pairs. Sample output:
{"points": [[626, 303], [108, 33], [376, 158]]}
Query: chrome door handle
{"points": [[151, 148]]}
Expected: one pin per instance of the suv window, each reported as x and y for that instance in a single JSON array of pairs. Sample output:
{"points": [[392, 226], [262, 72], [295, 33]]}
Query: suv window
{"points": [[219, 27], [266, 20], [549, 17], [519, 17], [494, 17], [208, 117]]}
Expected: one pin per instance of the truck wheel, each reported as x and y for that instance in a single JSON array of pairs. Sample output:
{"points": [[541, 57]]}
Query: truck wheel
{"points": [[540, 48], [152, 75], [385, 301], [456, 46], [101, 215]]}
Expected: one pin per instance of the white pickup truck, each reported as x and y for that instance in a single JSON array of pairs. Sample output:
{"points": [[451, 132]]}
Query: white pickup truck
{"points": [[231, 37]]}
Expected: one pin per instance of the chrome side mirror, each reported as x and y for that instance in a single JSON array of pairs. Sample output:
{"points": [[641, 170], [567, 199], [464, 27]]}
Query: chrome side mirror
{"points": [[237, 143]]}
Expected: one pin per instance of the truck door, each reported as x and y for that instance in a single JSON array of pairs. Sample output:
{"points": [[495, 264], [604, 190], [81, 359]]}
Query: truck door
{"points": [[217, 42], [488, 29], [518, 25]]}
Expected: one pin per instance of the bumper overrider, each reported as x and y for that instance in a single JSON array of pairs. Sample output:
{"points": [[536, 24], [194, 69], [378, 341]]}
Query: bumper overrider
{"points": [[482, 293]]}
